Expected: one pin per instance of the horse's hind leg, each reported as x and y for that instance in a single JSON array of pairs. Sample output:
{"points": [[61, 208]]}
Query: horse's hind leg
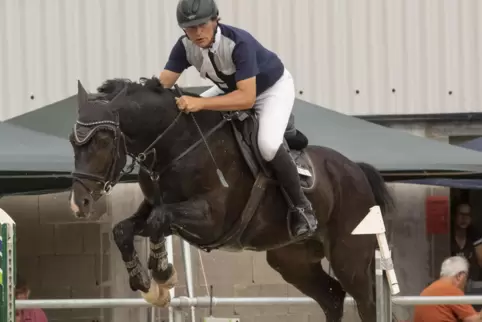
{"points": [[352, 261], [124, 232], [300, 265]]}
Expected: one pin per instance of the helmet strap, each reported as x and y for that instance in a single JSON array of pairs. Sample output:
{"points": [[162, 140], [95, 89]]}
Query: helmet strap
{"points": [[214, 35]]}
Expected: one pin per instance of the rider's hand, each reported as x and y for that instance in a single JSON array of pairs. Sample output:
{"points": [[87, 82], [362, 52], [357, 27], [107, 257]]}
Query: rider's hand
{"points": [[189, 103]]}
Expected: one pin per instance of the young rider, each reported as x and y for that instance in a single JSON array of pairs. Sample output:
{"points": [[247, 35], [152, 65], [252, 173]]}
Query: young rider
{"points": [[249, 76]]}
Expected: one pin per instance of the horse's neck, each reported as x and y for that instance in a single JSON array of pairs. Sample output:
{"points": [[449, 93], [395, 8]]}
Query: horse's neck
{"points": [[142, 131], [142, 126]]}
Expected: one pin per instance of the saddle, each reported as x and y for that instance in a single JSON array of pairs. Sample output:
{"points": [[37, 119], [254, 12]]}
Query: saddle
{"points": [[245, 128]]}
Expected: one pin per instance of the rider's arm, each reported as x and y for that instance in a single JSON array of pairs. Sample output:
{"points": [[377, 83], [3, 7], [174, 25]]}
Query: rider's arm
{"points": [[168, 78], [244, 96], [175, 65]]}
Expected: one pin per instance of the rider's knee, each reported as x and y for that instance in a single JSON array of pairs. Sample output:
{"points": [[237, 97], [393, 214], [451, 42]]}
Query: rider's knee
{"points": [[268, 148]]}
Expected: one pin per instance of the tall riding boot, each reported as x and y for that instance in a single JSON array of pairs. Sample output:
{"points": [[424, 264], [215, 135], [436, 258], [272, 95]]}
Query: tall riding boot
{"points": [[287, 175]]}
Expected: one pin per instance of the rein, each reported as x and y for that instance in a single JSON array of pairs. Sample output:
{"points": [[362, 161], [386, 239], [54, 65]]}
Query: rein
{"points": [[110, 179]]}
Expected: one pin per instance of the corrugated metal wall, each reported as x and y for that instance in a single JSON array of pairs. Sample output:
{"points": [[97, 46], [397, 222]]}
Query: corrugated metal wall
{"points": [[353, 56]]}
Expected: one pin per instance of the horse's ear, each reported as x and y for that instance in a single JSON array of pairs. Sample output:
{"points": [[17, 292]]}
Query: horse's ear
{"points": [[119, 96], [82, 96]]}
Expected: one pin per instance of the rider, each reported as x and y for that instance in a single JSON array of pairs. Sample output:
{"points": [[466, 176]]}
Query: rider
{"points": [[250, 76]]}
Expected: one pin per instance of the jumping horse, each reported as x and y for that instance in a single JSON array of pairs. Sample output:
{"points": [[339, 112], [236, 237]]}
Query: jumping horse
{"points": [[203, 179]]}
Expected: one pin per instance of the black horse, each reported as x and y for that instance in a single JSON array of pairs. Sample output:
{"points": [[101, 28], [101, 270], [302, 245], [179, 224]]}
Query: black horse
{"points": [[203, 180]]}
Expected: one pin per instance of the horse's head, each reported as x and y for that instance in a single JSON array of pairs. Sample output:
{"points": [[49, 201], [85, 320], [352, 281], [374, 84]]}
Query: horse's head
{"points": [[99, 150]]}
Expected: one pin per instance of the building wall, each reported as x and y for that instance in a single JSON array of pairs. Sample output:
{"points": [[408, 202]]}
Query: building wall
{"points": [[353, 56]]}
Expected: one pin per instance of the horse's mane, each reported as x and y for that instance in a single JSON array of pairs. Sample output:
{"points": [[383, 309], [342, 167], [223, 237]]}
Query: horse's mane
{"points": [[111, 87]]}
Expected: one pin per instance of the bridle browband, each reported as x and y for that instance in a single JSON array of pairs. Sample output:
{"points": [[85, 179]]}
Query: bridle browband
{"points": [[84, 132]]}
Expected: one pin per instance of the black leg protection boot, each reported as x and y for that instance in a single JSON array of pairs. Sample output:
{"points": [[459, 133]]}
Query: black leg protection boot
{"points": [[287, 175]]}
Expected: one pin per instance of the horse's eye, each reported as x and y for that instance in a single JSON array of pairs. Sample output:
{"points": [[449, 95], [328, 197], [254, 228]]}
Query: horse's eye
{"points": [[104, 142]]}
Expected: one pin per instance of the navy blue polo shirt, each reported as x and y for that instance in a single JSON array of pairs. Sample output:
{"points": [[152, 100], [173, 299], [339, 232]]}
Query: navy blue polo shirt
{"points": [[238, 56]]}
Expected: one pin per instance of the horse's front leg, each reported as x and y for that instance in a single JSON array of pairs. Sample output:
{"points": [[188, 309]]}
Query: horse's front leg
{"points": [[163, 219], [124, 232]]}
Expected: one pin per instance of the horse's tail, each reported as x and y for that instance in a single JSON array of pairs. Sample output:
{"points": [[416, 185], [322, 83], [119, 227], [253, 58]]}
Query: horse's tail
{"points": [[383, 198]]}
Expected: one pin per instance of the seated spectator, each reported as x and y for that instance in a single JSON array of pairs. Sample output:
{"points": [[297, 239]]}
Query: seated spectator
{"points": [[453, 277], [22, 292]]}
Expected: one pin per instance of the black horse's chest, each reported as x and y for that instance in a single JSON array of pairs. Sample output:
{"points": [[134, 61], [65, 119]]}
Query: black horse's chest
{"points": [[172, 187]]}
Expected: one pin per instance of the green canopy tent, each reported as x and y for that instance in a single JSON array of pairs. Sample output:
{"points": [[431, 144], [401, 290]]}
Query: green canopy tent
{"points": [[30, 152], [397, 154], [33, 162]]}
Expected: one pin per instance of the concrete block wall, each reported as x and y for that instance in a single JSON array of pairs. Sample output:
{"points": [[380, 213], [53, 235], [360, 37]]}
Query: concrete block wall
{"points": [[122, 203], [66, 260], [245, 274], [61, 261], [63, 258]]}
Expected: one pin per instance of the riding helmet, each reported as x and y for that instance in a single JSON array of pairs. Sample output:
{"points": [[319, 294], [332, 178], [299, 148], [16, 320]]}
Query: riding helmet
{"points": [[195, 12]]}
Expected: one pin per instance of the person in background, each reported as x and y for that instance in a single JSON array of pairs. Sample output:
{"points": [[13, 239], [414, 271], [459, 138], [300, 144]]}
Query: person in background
{"points": [[467, 241], [453, 277], [22, 292]]}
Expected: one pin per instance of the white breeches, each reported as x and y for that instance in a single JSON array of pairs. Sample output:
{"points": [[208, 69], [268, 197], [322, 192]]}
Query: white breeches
{"points": [[273, 108]]}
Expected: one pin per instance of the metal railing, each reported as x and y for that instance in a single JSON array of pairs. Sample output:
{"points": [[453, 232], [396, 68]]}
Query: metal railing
{"points": [[384, 301], [178, 302]]}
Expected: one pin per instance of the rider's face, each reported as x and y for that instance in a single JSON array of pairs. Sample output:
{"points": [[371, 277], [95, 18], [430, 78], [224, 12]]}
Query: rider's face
{"points": [[202, 35]]}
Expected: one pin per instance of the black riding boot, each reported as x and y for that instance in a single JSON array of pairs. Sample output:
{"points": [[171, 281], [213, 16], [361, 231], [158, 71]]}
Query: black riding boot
{"points": [[287, 175]]}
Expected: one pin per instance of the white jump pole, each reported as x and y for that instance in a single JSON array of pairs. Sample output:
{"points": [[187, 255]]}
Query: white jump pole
{"points": [[373, 224], [187, 258], [170, 259]]}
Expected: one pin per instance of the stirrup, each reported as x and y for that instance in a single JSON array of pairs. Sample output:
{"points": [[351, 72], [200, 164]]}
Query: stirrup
{"points": [[302, 222], [312, 222]]}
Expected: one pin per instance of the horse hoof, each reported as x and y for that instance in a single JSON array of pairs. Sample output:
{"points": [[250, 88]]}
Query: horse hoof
{"points": [[157, 296], [171, 282]]}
